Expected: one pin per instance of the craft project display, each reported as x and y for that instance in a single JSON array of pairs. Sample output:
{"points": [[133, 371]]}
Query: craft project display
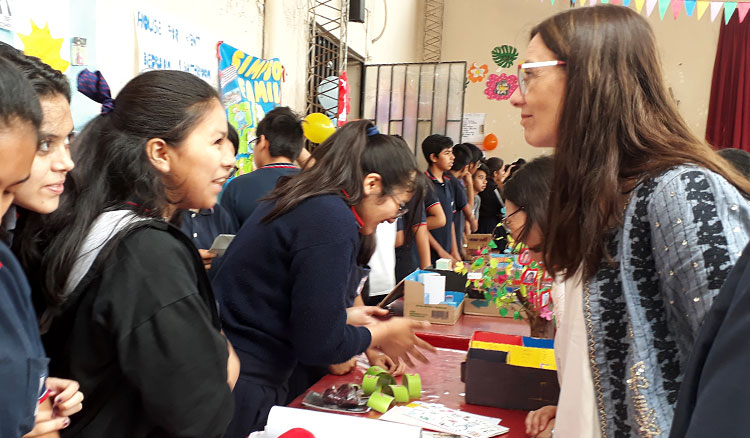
{"points": [[383, 390], [509, 278]]}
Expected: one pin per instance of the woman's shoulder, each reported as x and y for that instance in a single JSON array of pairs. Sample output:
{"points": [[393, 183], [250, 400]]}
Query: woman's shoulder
{"points": [[679, 180]]}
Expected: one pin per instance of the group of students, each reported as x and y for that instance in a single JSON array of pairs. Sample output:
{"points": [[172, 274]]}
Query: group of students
{"points": [[102, 290]]}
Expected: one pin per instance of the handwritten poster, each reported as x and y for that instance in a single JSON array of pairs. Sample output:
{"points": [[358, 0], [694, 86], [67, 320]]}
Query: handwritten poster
{"points": [[250, 87], [165, 44], [472, 130]]}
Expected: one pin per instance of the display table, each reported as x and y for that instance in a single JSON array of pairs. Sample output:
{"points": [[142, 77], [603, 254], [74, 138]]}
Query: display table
{"points": [[441, 378]]}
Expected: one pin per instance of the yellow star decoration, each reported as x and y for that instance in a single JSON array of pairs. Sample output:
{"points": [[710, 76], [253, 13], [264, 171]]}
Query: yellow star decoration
{"points": [[40, 43]]}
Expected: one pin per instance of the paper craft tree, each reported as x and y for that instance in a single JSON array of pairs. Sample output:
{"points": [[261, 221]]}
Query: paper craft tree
{"points": [[510, 280]]}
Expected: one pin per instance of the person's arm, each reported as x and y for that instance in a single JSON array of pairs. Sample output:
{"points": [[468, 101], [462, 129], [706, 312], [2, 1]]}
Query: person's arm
{"points": [[174, 356], [304, 158], [469, 215], [399, 239], [439, 250], [699, 226], [455, 255], [422, 238], [435, 216]]}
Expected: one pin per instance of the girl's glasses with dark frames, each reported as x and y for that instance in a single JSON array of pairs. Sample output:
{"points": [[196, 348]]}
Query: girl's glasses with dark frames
{"points": [[505, 219], [522, 85], [402, 208]]}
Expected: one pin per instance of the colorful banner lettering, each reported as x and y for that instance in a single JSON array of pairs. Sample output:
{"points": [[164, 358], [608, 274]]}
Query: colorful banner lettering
{"points": [[250, 87]]}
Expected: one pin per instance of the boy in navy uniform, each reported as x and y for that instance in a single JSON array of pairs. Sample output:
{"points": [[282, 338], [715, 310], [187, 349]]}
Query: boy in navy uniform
{"points": [[460, 171], [438, 151], [279, 143]]}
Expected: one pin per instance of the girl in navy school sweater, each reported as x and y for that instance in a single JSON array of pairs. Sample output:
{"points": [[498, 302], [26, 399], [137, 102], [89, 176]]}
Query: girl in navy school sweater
{"points": [[283, 283]]}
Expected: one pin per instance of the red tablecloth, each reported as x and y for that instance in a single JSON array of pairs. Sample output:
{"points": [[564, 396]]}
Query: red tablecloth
{"points": [[441, 383]]}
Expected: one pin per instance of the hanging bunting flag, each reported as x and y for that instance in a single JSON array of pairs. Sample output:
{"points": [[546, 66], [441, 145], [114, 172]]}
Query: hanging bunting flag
{"points": [[663, 5], [743, 8], [626, 3], [639, 5], [615, 2], [553, 1], [690, 7], [702, 6], [676, 6], [650, 6], [715, 9], [604, 2], [729, 8], [592, 2]]}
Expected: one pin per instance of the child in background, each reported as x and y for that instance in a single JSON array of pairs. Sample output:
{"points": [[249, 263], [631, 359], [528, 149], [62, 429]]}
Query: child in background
{"points": [[438, 151], [464, 215], [479, 183]]}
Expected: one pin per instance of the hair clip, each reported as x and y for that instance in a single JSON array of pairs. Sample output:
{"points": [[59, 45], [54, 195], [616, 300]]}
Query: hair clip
{"points": [[372, 130]]}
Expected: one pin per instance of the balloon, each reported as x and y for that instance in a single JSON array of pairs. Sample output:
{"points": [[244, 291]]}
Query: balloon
{"points": [[317, 127], [490, 142]]}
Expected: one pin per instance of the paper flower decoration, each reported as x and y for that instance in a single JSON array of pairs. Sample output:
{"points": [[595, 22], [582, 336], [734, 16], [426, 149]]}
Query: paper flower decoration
{"points": [[501, 87], [478, 73], [504, 56]]}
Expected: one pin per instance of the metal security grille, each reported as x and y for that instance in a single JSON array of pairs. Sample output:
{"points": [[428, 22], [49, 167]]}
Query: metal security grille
{"points": [[327, 53], [415, 100], [324, 63]]}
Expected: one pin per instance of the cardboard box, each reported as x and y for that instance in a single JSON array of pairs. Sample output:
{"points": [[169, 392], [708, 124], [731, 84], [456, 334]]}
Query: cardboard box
{"points": [[482, 307], [477, 241], [414, 307], [492, 378]]}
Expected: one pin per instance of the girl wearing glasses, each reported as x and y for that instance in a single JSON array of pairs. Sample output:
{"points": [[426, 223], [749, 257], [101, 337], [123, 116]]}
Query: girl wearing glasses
{"points": [[643, 217], [283, 284]]}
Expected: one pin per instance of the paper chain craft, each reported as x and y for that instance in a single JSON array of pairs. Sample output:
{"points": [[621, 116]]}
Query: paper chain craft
{"points": [[383, 390]]}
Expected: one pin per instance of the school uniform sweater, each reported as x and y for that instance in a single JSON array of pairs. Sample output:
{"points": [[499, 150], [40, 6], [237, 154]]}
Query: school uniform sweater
{"points": [[242, 194], [23, 363], [282, 289]]}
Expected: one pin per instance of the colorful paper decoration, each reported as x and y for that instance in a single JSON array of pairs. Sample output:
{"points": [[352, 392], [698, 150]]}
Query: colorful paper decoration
{"points": [[663, 5], [344, 103], [715, 9], [690, 7], [477, 73], [729, 8], [504, 56], [702, 6], [501, 87], [676, 7], [743, 8], [40, 43]]}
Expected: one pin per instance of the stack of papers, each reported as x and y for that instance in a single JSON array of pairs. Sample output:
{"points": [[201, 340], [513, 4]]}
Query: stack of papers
{"points": [[442, 419]]}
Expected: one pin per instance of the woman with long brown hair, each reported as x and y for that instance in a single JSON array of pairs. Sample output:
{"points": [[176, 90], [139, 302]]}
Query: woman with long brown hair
{"points": [[645, 220]]}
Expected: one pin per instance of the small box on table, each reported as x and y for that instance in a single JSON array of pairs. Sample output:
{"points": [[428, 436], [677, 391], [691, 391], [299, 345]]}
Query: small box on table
{"points": [[510, 372], [416, 298]]}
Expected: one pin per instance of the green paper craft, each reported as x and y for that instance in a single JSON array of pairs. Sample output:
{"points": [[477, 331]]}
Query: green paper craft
{"points": [[399, 393], [375, 370], [414, 384], [503, 312], [504, 56], [492, 244], [516, 315], [380, 402], [369, 384]]}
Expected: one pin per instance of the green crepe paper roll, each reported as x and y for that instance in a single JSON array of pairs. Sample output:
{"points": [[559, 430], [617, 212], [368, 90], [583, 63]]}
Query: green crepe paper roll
{"points": [[370, 384], [380, 402], [414, 383], [375, 371], [399, 393]]}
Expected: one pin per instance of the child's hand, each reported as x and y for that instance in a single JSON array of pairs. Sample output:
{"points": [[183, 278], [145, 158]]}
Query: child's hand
{"points": [[66, 398], [364, 315], [340, 369], [208, 257], [377, 358], [539, 421]]}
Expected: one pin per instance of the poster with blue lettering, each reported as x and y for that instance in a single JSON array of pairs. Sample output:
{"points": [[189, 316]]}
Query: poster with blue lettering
{"points": [[250, 87], [164, 43]]}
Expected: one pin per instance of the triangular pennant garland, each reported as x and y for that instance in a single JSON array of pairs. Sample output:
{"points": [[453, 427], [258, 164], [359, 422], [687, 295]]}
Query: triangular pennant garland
{"points": [[729, 8], [592, 2], [650, 6], [663, 5], [626, 3], [743, 8], [639, 5], [690, 7], [676, 7], [715, 9], [702, 6]]}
